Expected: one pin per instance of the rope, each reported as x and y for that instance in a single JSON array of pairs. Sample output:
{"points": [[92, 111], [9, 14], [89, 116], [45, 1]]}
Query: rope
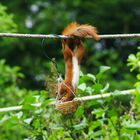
{"points": [[47, 56], [53, 36], [78, 99]]}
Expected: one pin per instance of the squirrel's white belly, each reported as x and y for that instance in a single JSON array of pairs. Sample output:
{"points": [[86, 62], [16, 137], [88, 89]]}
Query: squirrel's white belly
{"points": [[76, 72]]}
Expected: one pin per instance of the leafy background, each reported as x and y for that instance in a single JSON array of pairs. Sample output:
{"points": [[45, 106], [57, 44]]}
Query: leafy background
{"points": [[25, 72]]}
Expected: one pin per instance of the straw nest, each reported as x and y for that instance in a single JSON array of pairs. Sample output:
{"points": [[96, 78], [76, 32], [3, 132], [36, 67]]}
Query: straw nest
{"points": [[68, 107]]}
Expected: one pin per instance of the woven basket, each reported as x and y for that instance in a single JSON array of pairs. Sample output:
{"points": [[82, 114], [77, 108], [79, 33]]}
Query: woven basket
{"points": [[67, 107]]}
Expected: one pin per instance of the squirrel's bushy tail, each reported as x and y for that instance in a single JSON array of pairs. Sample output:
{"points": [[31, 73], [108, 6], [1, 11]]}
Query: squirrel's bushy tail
{"points": [[77, 30]]}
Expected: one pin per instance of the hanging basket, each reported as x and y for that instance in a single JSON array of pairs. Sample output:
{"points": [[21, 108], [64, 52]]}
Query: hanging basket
{"points": [[68, 107]]}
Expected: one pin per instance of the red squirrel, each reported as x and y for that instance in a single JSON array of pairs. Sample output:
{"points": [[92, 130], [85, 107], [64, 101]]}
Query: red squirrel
{"points": [[73, 51]]}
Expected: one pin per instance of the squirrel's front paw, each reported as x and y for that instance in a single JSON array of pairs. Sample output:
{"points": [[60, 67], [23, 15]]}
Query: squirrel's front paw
{"points": [[67, 98], [64, 99]]}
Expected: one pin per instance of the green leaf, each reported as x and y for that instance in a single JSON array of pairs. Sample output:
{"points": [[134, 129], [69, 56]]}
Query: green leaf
{"points": [[89, 90], [82, 87], [112, 112], [36, 123], [133, 126], [102, 70], [11, 122], [132, 57], [29, 99], [81, 125], [138, 76], [47, 102], [87, 77], [19, 114], [92, 77], [36, 104], [97, 87], [28, 120], [98, 112], [138, 88], [79, 112], [68, 138], [105, 88], [94, 125], [98, 133]]}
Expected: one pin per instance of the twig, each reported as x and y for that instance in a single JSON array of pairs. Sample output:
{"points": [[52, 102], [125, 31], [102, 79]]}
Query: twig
{"points": [[12, 108], [100, 96], [85, 98]]}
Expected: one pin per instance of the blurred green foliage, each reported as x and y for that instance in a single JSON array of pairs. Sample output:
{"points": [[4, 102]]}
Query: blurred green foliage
{"points": [[111, 118], [6, 21], [50, 17], [24, 70]]}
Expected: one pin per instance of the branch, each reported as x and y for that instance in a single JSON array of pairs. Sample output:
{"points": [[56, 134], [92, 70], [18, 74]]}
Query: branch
{"points": [[105, 95], [85, 98], [12, 108], [52, 36]]}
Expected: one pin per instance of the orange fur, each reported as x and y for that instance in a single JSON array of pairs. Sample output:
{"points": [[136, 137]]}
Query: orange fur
{"points": [[73, 47], [78, 30]]}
